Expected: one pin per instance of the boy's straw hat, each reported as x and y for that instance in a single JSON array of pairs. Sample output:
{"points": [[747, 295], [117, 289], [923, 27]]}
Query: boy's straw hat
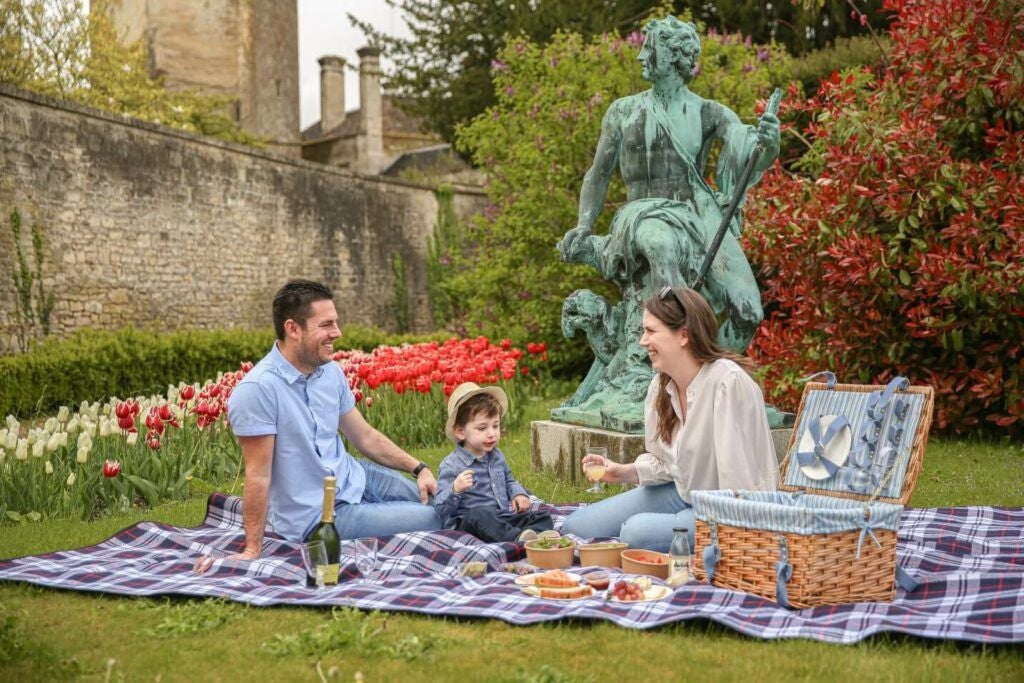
{"points": [[463, 393]]}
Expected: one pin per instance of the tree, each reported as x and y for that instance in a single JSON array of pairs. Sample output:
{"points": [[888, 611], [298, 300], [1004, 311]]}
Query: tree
{"points": [[900, 247], [60, 50], [801, 25], [443, 73]]}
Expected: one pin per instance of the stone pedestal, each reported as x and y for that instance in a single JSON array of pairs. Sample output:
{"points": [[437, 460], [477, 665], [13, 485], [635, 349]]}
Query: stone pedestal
{"points": [[560, 447]]}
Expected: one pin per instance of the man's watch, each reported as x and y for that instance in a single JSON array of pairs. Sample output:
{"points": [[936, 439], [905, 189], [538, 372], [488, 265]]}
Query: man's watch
{"points": [[419, 468]]}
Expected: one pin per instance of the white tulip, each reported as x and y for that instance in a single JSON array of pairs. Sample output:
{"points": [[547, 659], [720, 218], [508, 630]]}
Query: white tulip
{"points": [[104, 427], [51, 425], [63, 414], [53, 443], [83, 407], [3, 455], [133, 438], [11, 441], [3, 434], [33, 436], [83, 455], [38, 448], [84, 440], [73, 425], [12, 423], [21, 453], [94, 411], [49, 467], [90, 428], [71, 480]]}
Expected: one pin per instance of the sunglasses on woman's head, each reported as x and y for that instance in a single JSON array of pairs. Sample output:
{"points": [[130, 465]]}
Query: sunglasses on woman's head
{"points": [[667, 292]]}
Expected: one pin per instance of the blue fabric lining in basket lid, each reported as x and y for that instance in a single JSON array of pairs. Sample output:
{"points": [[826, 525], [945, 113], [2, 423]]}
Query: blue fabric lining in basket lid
{"points": [[796, 513], [853, 406]]}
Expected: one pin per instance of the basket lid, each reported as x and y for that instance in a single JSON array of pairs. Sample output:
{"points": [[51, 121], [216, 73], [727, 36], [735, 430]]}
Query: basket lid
{"points": [[859, 441]]}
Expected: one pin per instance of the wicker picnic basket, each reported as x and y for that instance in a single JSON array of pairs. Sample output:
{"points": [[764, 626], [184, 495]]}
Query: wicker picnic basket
{"points": [[823, 541]]}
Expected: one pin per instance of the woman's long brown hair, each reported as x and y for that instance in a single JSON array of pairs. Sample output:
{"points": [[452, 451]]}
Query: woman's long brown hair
{"points": [[688, 309]]}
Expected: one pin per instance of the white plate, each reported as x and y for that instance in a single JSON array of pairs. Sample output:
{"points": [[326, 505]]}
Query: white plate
{"points": [[655, 592], [530, 579], [535, 592]]}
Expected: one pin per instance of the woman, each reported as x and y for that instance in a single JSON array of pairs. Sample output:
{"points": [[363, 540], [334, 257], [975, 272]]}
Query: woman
{"points": [[705, 428]]}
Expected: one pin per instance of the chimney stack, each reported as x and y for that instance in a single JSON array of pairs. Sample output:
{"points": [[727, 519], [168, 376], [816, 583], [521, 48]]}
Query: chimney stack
{"points": [[332, 92], [371, 129]]}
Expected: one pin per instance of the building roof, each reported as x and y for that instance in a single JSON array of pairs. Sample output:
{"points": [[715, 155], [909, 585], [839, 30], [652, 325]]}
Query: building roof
{"points": [[395, 121]]}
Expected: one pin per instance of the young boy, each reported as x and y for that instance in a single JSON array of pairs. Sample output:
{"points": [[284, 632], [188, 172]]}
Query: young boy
{"points": [[476, 491]]}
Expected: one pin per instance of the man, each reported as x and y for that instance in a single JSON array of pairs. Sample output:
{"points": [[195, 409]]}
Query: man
{"points": [[661, 140], [286, 413]]}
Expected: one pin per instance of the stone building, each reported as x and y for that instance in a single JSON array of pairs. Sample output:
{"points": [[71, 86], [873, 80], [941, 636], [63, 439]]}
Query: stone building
{"points": [[378, 137], [246, 50]]}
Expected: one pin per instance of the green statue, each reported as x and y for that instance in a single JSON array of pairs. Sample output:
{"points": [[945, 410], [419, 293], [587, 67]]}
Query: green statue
{"points": [[661, 140]]}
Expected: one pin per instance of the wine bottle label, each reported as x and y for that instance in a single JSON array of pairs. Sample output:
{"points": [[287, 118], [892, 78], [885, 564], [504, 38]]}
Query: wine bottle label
{"points": [[330, 573]]}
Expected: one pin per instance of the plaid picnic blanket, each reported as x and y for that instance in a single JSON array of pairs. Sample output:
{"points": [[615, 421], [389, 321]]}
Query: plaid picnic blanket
{"points": [[969, 560]]}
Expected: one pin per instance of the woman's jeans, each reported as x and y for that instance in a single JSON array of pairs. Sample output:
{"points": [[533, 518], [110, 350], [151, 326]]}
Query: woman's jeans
{"points": [[643, 517]]}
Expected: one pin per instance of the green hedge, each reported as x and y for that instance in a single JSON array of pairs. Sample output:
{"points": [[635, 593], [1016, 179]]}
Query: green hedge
{"points": [[94, 365]]}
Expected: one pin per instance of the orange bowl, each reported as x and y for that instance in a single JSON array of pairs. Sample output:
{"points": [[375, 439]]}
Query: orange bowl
{"points": [[549, 558], [647, 562], [602, 554]]}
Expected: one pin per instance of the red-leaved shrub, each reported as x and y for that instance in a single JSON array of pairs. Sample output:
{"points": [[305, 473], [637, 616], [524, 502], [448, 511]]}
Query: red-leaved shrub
{"points": [[898, 247]]}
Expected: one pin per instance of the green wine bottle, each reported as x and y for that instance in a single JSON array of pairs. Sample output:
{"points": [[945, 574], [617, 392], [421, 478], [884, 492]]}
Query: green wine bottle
{"points": [[326, 532]]}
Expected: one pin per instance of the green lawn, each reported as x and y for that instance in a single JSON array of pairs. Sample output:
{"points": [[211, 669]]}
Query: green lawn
{"points": [[51, 635]]}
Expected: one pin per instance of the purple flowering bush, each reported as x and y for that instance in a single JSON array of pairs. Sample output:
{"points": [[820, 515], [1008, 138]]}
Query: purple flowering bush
{"points": [[536, 144]]}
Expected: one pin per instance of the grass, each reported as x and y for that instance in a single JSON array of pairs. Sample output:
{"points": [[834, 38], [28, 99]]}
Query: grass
{"points": [[53, 635]]}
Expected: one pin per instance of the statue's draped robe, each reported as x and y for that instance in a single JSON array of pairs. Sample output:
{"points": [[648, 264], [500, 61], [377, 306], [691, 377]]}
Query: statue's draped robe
{"points": [[694, 219]]}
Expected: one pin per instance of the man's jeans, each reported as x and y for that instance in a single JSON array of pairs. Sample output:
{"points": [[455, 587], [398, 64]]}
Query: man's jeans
{"points": [[642, 517], [390, 505]]}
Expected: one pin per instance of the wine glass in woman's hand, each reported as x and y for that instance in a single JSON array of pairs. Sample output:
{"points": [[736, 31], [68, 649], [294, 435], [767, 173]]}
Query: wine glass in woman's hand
{"points": [[595, 464]]}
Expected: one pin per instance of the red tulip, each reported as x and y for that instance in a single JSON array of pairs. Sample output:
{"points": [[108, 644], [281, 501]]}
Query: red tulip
{"points": [[111, 468], [154, 443], [246, 366], [122, 410], [127, 422], [187, 393], [165, 412], [369, 401]]}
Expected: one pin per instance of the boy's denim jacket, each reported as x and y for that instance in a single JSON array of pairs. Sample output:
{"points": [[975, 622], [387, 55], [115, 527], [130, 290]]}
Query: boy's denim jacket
{"points": [[503, 486]]}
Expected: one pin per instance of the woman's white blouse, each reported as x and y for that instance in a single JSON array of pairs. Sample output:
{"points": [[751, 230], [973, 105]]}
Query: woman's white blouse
{"points": [[725, 442]]}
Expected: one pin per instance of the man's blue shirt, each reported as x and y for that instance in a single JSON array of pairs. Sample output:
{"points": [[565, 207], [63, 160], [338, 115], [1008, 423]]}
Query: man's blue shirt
{"points": [[302, 412]]}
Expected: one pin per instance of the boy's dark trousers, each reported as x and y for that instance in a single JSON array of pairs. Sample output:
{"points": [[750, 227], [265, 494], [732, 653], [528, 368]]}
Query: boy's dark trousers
{"points": [[493, 525]]}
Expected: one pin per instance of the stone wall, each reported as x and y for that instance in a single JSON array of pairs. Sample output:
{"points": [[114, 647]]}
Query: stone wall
{"points": [[150, 227]]}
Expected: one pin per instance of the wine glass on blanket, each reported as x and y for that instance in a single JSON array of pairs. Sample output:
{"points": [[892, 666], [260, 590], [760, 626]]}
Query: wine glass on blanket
{"points": [[314, 559], [365, 551], [594, 466]]}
